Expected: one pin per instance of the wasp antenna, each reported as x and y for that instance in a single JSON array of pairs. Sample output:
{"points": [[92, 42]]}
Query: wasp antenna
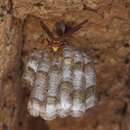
{"points": [[45, 27], [76, 28], [9, 6]]}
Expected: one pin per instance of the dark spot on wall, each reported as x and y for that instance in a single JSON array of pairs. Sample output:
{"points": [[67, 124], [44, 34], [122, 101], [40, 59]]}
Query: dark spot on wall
{"points": [[4, 127], [126, 61]]}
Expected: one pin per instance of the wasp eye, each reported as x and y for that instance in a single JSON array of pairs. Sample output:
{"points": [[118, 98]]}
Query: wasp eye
{"points": [[60, 28]]}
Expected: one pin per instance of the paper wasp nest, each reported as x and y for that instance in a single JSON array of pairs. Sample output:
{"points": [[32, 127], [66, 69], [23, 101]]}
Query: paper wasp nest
{"points": [[62, 84]]}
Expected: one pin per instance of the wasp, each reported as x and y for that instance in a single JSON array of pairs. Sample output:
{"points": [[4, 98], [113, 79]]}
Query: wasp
{"points": [[63, 31]]}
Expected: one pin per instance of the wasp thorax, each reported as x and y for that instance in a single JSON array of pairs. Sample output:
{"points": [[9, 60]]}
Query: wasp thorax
{"points": [[56, 45], [62, 83]]}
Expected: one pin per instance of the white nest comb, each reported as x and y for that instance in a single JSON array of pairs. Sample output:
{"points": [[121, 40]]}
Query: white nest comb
{"points": [[62, 84]]}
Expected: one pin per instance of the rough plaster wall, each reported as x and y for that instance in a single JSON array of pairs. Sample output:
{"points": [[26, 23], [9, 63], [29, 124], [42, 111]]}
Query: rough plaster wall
{"points": [[106, 38], [10, 51]]}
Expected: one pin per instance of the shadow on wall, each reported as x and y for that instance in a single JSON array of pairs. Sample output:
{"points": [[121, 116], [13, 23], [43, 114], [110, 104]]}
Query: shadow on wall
{"points": [[37, 124]]}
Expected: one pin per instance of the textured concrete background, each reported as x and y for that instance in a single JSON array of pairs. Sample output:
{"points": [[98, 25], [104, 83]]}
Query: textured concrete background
{"points": [[106, 38]]}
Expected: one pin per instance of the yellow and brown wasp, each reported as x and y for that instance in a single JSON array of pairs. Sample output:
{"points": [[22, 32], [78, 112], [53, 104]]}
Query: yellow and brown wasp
{"points": [[63, 31]]}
